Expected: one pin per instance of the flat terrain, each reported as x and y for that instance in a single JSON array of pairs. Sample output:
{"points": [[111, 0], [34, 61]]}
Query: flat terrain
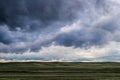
{"points": [[59, 71]]}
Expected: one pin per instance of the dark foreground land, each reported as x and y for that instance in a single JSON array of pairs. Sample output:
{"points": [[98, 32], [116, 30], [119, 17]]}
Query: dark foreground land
{"points": [[59, 71]]}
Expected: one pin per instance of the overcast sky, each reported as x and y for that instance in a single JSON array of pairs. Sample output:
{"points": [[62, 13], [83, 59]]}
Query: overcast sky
{"points": [[62, 30]]}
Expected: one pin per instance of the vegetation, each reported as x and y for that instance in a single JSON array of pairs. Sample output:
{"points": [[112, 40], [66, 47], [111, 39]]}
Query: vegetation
{"points": [[59, 71]]}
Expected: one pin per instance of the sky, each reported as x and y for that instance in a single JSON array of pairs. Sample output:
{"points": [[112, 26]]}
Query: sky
{"points": [[60, 30]]}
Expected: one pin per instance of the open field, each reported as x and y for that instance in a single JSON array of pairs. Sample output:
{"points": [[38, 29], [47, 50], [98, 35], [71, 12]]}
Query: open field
{"points": [[59, 71]]}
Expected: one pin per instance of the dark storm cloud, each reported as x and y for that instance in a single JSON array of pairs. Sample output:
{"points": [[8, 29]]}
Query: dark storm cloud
{"points": [[21, 13], [5, 37], [26, 12], [98, 34], [32, 24], [82, 38], [33, 15]]}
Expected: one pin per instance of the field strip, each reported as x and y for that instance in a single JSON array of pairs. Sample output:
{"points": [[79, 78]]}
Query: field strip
{"points": [[87, 75]]}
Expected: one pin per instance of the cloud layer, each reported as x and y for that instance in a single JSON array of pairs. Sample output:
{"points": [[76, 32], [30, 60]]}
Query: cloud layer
{"points": [[62, 53], [39, 30]]}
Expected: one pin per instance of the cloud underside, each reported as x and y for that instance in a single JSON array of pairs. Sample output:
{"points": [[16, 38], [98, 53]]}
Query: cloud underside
{"points": [[79, 30], [62, 53]]}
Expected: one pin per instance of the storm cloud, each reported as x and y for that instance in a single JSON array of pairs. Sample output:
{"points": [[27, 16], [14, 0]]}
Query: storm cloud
{"points": [[31, 25], [35, 14]]}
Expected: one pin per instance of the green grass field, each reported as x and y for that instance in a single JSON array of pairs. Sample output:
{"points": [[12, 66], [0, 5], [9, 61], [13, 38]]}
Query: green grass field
{"points": [[59, 71]]}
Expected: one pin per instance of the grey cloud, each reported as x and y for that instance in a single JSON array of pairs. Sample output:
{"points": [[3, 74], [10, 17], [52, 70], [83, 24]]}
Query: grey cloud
{"points": [[98, 33], [5, 36], [33, 15], [24, 12], [82, 38], [28, 20]]}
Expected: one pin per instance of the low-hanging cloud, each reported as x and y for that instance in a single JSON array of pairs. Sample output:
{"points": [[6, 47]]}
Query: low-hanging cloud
{"points": [[51, 53]]}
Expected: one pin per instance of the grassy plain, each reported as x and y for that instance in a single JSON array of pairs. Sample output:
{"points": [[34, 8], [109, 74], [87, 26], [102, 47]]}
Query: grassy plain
{"points": [[59, 71]]}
